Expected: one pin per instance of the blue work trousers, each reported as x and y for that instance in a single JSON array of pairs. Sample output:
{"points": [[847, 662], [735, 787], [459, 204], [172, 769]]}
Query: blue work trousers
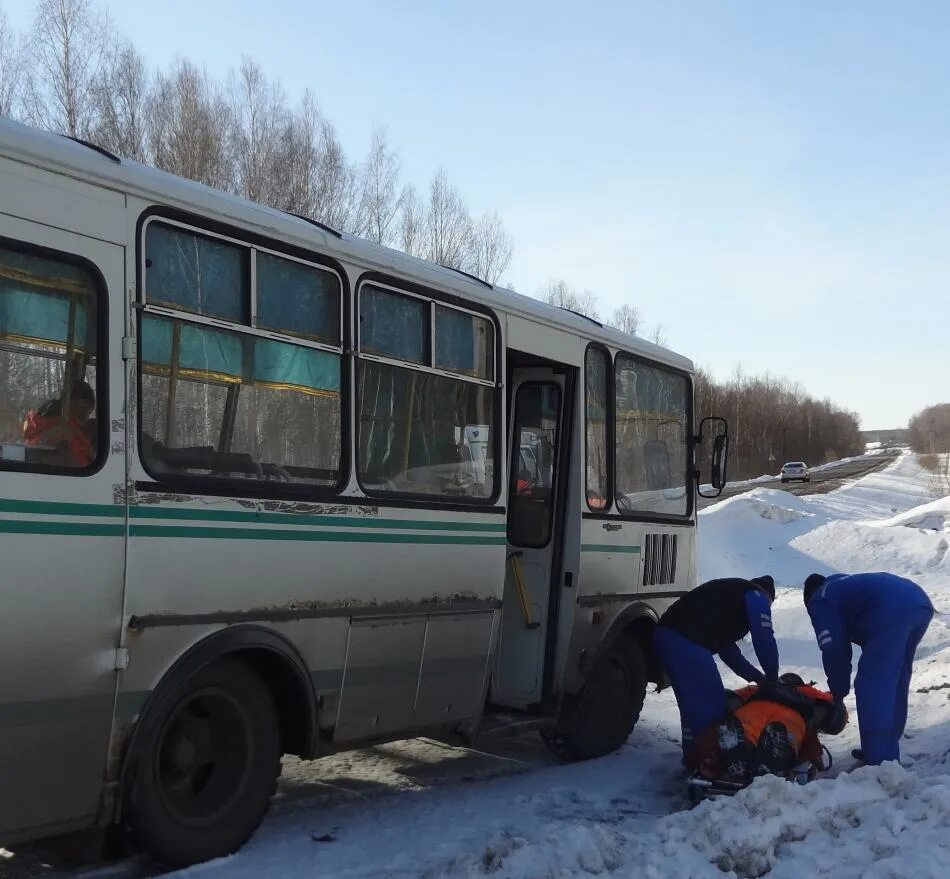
{"points": [[695, 679], [882, 683]]}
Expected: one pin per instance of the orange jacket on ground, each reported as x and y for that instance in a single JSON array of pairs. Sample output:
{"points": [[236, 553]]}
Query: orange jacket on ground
{"points": [[755, 715]]}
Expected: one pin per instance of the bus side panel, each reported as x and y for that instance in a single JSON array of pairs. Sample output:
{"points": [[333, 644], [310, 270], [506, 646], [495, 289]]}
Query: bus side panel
{"points": [[378, 591], [614, 565], [62, 544]]}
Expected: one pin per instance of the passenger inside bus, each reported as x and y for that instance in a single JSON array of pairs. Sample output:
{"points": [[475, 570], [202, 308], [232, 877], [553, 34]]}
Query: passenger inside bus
{"points": [[66, 425]]}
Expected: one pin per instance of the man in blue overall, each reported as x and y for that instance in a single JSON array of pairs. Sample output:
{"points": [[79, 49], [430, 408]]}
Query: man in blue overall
{"points": [[710, 620], [886, 616]]}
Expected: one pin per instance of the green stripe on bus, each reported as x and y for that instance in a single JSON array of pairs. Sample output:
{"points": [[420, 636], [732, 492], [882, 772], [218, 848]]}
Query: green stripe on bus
{"points": [[311, 535], [606, 547], [117, 511], [189, 513], [77, 529], [55, 508]]}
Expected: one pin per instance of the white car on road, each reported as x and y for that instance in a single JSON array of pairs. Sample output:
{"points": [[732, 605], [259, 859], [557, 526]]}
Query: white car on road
{"points": [[795, 470]]}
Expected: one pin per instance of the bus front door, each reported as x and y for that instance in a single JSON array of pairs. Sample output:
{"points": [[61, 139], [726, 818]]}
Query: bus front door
{"points": [[533, 523]]}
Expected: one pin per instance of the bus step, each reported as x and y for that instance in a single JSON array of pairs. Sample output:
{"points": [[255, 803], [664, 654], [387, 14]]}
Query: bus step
{"points": [[503, 723]]}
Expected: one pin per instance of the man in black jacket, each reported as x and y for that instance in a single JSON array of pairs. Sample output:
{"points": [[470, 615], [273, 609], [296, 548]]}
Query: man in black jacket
{"points": [[710, 620]]}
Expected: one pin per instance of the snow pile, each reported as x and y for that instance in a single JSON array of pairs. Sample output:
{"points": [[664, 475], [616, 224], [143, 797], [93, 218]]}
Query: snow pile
{"points": [[874, 822], [849, 530]]}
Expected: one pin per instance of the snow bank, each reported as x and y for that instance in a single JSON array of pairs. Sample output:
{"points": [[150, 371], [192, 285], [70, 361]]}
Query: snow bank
{"points": [[848, 530], [872, 823]]}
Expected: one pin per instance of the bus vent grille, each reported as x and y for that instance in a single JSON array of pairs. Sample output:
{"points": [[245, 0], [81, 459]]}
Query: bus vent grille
{"points": [[659, 559]]}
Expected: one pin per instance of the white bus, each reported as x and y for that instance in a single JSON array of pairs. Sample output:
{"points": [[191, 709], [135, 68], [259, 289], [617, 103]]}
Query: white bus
{"points": [[267, 489]]}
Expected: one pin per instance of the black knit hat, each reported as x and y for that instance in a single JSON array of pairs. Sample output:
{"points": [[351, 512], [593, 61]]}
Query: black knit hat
{"points": [[813, 582], [766, 584]]}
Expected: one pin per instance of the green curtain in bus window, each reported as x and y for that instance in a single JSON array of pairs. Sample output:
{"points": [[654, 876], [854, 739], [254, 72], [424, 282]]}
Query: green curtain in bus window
{"points": [[297, 299], [202, 352], [463, 343], [394, 326], [219, 354], [36, 298], [195, 273], [293, 367]]}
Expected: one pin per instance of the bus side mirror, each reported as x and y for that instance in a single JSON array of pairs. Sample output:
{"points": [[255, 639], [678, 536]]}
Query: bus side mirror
{"points": [[718, 458]]}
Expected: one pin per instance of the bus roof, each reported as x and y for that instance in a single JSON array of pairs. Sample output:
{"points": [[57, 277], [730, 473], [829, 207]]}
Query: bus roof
{"points": [[91, 164]]}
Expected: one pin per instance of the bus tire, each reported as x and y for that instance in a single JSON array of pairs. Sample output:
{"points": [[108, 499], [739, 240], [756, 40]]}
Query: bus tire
{"points": [[608, 708], [207, 766]]}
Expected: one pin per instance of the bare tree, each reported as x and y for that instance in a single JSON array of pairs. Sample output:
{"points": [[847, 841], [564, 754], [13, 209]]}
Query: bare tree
{"points": [[260, 116], [190, 124], [411, 224], [121, 93], [68, 48], [11, 67], [335, 187], [448, 224], [379, 201], [560, 294], [491, 248], [658, 336], [626, 318], [299, 158]]}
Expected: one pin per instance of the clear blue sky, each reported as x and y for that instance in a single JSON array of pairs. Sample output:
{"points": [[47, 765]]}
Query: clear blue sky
{"points": [[769, 181]]}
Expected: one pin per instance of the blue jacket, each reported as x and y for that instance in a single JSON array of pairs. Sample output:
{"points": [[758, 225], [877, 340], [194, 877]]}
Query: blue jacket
{"points": [[851, 608], [759, 614]]}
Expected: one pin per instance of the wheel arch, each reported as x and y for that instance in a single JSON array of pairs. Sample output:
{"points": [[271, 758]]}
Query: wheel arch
{"points": [[273, 657], [638, 622]]}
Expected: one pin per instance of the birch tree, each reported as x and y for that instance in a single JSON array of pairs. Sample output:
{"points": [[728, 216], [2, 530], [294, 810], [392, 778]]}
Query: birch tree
{"points": [[261, 123], [121, 94], [626, 318], [491, 248], [68, 47], [411, 224], [11, 67], [559, 293], [448, 225], [190, 126], [379, 184]]}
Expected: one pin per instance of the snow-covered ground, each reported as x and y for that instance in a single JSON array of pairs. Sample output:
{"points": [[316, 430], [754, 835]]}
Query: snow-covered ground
{"points": [[626, 814]]}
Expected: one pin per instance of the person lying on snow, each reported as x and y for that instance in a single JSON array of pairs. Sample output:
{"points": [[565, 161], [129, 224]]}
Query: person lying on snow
{"points": [[770, 729]]}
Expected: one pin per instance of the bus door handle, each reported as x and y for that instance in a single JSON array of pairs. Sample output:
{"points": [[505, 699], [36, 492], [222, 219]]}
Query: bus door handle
{"points": [[612, 526]]}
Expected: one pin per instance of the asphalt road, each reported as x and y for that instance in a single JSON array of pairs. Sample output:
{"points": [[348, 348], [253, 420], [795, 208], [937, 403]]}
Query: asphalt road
{"points": [[822, 481]]}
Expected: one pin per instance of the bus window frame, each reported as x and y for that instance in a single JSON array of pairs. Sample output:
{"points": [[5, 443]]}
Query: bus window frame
{"points": [[609, 403], [686, 517], [229, 486], [102, 362], [436, 297]]}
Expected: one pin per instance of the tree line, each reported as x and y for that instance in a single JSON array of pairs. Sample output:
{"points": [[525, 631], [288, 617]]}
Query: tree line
{"points": [[772, 421], [72, 73], [929, 429]]}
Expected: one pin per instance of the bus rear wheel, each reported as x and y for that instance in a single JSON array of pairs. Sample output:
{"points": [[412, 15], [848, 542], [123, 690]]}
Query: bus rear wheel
{"points": [[608, 708], [207, 767]]}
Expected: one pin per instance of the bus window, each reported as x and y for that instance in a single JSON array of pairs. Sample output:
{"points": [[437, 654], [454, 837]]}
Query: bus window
{"points": [[48, 353], [652, 450], [427, 405], [595, 371], [225, 402]]}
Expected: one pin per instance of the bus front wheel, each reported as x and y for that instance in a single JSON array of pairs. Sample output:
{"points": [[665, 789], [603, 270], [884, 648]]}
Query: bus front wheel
{"points": [[608, 708], [207, 765]]}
